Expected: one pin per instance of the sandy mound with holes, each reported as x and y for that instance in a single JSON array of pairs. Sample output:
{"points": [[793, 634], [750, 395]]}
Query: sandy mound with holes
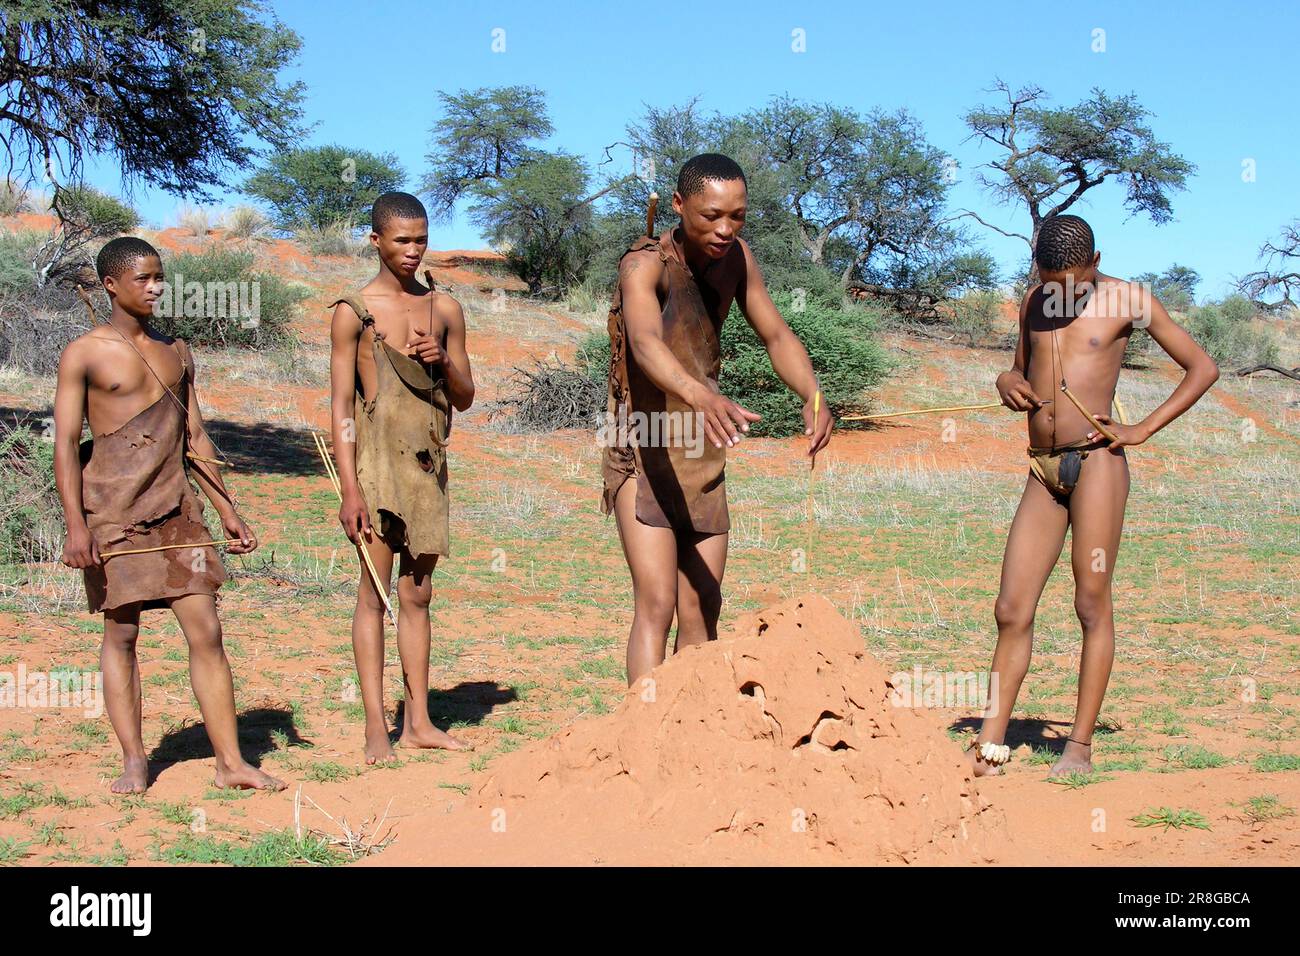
{"points": [[776, 744]]}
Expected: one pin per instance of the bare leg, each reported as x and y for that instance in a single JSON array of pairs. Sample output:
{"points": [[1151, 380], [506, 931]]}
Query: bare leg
{"points": [[414, 592], [1033, 545], [651, 555], [215, 691], [701, 561], [368, 650], [1097, 517], [122, 695]]}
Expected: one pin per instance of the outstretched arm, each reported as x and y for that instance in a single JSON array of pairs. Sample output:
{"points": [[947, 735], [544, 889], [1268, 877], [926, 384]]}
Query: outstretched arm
{"points": [[639, 276], [789, 357], [207, 474]]}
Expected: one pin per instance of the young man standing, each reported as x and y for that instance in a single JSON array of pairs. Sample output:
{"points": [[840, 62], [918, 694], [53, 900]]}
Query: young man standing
{"points": [[674, 291]]}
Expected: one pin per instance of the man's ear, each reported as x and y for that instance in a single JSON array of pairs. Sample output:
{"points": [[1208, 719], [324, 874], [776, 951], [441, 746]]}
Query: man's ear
{"points": [[1096, 259], [110, 285], [677, 202]]}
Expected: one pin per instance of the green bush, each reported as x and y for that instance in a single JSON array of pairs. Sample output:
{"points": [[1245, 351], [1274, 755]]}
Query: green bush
{"points": [[31, 514], [97, 212], [215, 298], [1224, 330], [974, 314], [839, 341], [17, 250], [844, 355]]}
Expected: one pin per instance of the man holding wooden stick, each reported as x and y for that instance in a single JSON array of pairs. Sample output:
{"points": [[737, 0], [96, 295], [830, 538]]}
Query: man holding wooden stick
{"points": [[1074, 327], [135, 525], [398, 368]]}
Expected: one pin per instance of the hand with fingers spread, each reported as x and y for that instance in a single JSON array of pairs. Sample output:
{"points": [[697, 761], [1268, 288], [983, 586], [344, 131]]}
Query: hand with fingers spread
{"points": [[1015, 392], [725, 421]]}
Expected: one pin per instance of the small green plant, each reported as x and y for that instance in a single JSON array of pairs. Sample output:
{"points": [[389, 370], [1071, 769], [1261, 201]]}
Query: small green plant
{"points": [[1263, 808], [329, 772], [1274, 762], [12, 850], [1171, 819]]}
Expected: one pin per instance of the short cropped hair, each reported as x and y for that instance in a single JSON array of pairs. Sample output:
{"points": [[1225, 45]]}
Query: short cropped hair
{"points": [[118, 255], [707, 166], [395, 205], [1064, 241]]}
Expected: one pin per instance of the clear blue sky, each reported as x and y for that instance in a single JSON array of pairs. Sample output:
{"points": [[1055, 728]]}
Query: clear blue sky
{"points": [[1219, 81]]}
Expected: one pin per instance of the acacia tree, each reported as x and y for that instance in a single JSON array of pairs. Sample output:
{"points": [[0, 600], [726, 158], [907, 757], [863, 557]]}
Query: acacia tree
{"points": [[538, 213], [324, 185], [175, 89], [482, 137], [1049, 158], [1280, 275]]}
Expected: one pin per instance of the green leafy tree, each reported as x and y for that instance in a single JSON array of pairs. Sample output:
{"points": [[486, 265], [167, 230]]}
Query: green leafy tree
{"points": [[1049, 158], [176, 90], [320, 186], [538, 214], [482, 137]]}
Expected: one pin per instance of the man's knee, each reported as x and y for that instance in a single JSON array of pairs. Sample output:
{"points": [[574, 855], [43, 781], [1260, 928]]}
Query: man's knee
{"points": [[657, 604], [415, 596], [1092, 605], [205, 639], [1013, 613]]}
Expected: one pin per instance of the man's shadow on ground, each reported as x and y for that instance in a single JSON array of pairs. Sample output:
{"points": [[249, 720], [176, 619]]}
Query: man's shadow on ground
{"points": [[257, 730], [469, 702], [1033, 732]]}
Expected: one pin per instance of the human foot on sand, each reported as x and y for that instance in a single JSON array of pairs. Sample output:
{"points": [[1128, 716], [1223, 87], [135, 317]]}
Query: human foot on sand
{"points": [[431, 738], [244, 776], [379, 748], [135, 776], [983, 765], [1075, 758]]}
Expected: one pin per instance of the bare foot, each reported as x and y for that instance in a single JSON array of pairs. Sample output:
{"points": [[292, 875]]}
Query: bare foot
{"points": [[431, 738], [245, 776], [379, 749], [979, 768], [135, 776], [1075, 758]]}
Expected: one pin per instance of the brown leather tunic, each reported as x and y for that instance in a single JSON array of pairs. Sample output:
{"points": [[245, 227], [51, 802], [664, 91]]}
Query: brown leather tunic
{"points": [[401, 447], [676, 488], [136, 494]]}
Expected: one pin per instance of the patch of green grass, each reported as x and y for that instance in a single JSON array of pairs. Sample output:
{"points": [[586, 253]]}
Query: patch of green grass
{"points": [[1274, 762], [1171, 819], [177, 813], [1193, 758], [278, 848], [1077, 779], [1264, 807], [12, 850], [328, 771]]}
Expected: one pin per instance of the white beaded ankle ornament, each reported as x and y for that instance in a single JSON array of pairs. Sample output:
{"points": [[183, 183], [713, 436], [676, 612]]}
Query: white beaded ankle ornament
{"points": [[995, 755]]}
